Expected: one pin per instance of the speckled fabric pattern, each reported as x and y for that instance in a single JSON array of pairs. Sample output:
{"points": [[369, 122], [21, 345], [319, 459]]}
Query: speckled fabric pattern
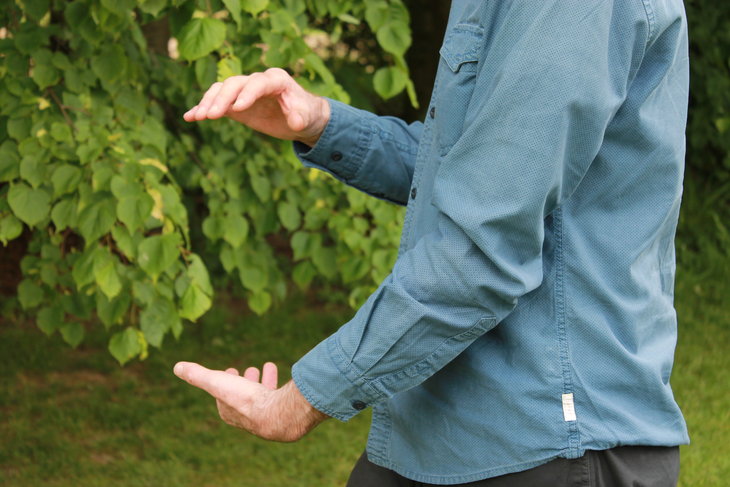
{"points": [[529, 315]]}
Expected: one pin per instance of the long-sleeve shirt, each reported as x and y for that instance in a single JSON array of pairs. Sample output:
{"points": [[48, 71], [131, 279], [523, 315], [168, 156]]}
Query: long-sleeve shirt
{"points": [[529, 314]]}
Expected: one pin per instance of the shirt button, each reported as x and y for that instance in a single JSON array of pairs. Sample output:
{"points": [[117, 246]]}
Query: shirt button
{"points": [[413, 193], [336, 155], [359, 405], [432, 112]]}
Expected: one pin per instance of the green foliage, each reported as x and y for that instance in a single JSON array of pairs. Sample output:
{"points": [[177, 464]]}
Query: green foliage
{"points": [[97, 164], [709, 116]]}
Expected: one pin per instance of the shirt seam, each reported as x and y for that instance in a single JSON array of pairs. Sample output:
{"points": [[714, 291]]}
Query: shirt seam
{"points": [[573, 447], [427, 363], [650, 18]]}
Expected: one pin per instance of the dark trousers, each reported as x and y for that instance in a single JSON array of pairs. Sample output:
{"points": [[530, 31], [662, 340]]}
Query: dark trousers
{"points": [[627, 466]]}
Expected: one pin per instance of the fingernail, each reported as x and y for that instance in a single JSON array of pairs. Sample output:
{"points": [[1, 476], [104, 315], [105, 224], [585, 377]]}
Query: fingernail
{"points": [[179, 368]]}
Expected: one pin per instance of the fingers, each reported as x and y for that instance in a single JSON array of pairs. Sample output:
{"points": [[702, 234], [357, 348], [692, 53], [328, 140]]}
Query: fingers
{"points": [[270, 376], [221, 384], [200, 111], [271, 82], [215, 382], [225, 97], [252, 373]]}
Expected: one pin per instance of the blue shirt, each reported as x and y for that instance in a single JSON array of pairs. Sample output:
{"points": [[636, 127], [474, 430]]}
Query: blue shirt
{"points": [[530, 312]]}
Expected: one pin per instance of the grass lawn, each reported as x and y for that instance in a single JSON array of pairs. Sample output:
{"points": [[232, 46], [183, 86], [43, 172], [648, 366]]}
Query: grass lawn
{"points": [[78, 419]]}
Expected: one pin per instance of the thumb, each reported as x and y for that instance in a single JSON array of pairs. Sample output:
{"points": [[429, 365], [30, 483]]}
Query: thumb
{"points": [[211, 381]]}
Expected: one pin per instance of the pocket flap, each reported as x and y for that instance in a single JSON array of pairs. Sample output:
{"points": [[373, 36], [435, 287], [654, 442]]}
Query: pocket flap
{"points": [[462, 45]]}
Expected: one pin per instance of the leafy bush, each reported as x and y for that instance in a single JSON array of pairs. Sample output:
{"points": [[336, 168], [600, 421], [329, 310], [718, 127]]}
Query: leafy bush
{"points": [[708, 128], [97, 165]]}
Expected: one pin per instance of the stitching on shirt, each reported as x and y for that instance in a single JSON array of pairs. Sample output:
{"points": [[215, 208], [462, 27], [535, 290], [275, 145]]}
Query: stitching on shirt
{"points": [[312, 399], [573, 445], [650, 18], [351, 372], [428, 363]]}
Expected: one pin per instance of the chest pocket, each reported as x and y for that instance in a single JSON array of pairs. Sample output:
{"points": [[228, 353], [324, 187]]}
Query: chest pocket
{"points": [[457, 75]]}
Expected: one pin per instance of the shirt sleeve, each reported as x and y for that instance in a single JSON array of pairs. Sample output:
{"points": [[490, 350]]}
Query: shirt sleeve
{"points": [[371, 153], [551, 81]]}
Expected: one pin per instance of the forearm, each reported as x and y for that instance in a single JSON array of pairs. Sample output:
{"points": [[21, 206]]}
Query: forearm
{"points": [[371, 153]]}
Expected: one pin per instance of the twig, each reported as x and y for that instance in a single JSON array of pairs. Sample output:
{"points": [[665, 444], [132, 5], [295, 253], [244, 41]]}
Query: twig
{"points": [[62, 107]]}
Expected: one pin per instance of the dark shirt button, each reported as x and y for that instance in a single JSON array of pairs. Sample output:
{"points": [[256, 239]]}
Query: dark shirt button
{"points": [[432, 112], [413, 193], [359, 405], [336, 155]]}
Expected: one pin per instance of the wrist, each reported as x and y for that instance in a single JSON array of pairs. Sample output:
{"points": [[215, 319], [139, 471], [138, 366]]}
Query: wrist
{"points": [[295, 416], [319, 124]]}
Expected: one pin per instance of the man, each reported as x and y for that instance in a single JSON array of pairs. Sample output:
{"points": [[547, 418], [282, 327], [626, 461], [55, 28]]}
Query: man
{"points": [[526, 333]]}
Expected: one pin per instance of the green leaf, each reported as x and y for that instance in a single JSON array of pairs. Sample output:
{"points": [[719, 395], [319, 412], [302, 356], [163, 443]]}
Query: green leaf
{"points": [[106, 275], [254, 6], [65, 179], [61, 132], [376, 13], [324, 260], [283, 21], [111, 311], [78, 304], [152, 7], [289, 215], [144, 292], [33, 170], [156, 254], [134, 210], [64, 214], [262, 187], [19, 128], [29, 38], [389, 81], [253, 278], [72, 333], [259, 302], [44, 73], [49, 319], [354, 268], [30, 205], [10, 228], [30, 294], [200, 37], [227, 67], [394, 37], [97, 219], [235, 230], [125, 241], [198, 274], [125, 345], [205, 71], [157, 319], [303, 274], [83, 267], [9, 160], [36, 8], [194, 303], [213, 228], [110, 64], [234, 6]]}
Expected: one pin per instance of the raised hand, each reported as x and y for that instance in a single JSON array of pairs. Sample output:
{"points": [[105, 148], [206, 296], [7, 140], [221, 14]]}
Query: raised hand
{"points": [[270, 102], [253, 402]]}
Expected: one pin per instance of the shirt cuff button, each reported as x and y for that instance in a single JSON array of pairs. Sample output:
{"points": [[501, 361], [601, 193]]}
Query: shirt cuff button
{"points": [[359, 405], [336, 156]]}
